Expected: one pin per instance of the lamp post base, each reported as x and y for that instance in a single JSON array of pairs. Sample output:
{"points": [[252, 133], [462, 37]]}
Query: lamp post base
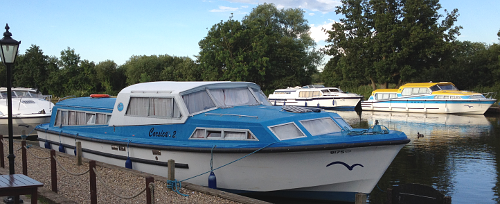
{"points": [[10, 199]]}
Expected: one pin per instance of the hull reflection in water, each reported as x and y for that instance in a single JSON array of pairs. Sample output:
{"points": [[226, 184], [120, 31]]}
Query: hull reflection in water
{"points": [[418, 125]]}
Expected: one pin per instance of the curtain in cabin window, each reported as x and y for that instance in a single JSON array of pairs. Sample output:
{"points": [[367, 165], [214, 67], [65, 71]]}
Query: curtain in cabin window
{"points": [[233, 97], [262, 97], [138, 106], [101, 118], [198, 101], [81, 118]]}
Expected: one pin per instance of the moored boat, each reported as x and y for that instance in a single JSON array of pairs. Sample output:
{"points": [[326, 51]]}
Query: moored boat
{"points": [[292, 151], [29, 109], [315, 96], [429, 97]]}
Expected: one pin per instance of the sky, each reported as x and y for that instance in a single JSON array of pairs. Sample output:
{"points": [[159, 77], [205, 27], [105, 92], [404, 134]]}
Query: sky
{"points": [[116, 30]]}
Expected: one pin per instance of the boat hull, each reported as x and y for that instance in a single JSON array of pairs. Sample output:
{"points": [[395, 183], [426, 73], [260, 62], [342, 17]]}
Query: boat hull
{"points": [[429, 106], [327, 172], [23, 125], [339, 103]]}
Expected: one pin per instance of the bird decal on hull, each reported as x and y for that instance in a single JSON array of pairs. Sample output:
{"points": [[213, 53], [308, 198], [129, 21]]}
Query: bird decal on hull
{"points": [[346, 165]]}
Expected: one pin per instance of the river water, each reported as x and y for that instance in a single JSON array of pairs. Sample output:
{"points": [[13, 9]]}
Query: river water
{"points": [[457, 155]]}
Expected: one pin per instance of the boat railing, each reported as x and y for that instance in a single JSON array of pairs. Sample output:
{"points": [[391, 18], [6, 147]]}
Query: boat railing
{"points": [[62, 99], [490, 95], [221, 114]]}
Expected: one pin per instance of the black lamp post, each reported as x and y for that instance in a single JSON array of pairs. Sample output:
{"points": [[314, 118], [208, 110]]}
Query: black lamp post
{"points": [[8, 53]]}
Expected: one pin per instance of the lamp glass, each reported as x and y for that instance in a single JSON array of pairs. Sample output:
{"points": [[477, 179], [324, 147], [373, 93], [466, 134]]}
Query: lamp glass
{"points": [[9, 53]]}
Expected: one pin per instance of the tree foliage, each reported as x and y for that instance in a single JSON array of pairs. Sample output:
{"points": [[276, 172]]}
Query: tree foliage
{"points": [[390, 41], [270, 47]]}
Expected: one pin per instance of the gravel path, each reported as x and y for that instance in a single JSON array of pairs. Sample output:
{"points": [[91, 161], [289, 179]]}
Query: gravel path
{"points": [[76, 188]]}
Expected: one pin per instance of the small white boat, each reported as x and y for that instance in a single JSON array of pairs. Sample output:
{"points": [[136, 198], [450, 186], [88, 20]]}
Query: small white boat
{"points": [[29, 109], [429, 97], [287, 151], [315, 96]]}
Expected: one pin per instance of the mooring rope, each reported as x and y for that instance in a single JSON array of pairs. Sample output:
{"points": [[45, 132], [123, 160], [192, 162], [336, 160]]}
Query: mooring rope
{"points": [[37, 156], [175, 186], [229, 162], [74, 174], [109, 189]]}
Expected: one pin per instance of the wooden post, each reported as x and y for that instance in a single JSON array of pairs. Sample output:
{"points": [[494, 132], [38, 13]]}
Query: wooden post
{"points": [[24, 158], [360, 198], [171, 171], [78, 147], [2, 163], [389, 195], [447, 200], [93, 186], [148, 190], [53, 170]]}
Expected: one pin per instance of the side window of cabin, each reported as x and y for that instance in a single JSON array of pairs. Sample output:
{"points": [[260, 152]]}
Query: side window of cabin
{"points": [[222, 134], [262, 97], [309, 94], [406, 91], [73, 118], [233, 97], [150, 107], [198, 101]]}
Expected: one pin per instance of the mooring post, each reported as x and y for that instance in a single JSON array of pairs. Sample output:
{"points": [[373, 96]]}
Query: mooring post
{"points": [[389, 195], [78, 147], [360, 198], [2, 163], [148, 190], [447, 200], [171, 170], [24, 159], [53, 170], [93, 185]]}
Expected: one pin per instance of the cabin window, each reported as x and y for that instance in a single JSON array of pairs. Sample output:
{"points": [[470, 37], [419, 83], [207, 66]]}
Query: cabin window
{"points": [[320, 126], [222, 134], [262, 97], [309, 94], [448, 87], [334, 90], [152, 107], [385, 96], [73, 118], [287, 131], [198, 101], [233, 97], [415, 91]]}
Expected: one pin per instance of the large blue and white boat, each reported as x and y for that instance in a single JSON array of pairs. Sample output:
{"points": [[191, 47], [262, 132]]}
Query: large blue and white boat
{"points": [[290, 151]]}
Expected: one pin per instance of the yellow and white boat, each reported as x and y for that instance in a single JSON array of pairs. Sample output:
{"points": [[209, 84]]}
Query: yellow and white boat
{"points": [[428, 97]]}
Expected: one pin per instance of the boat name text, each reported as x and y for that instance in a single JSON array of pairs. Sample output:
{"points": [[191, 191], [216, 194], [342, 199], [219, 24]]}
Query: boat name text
{"points": [[161, 133]]}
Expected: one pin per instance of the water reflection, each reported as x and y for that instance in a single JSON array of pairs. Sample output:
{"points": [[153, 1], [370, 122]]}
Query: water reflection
{"points": [[456, 155]]}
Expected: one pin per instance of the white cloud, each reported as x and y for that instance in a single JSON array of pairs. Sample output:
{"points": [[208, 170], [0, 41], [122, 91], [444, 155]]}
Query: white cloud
{"points": [[317, 32], [311, 14], [224, 9], [323, 6]]}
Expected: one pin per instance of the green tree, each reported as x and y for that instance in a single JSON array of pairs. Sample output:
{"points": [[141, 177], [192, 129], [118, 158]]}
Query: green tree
{"points": [[111, 79], [55, 78], [31, 69], [270, 47], [391, 40]]}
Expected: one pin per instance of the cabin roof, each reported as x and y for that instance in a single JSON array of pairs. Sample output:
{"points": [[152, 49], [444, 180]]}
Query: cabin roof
{"points": [[183, 87], [88, 102], [385, 90], [425, 84]]}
